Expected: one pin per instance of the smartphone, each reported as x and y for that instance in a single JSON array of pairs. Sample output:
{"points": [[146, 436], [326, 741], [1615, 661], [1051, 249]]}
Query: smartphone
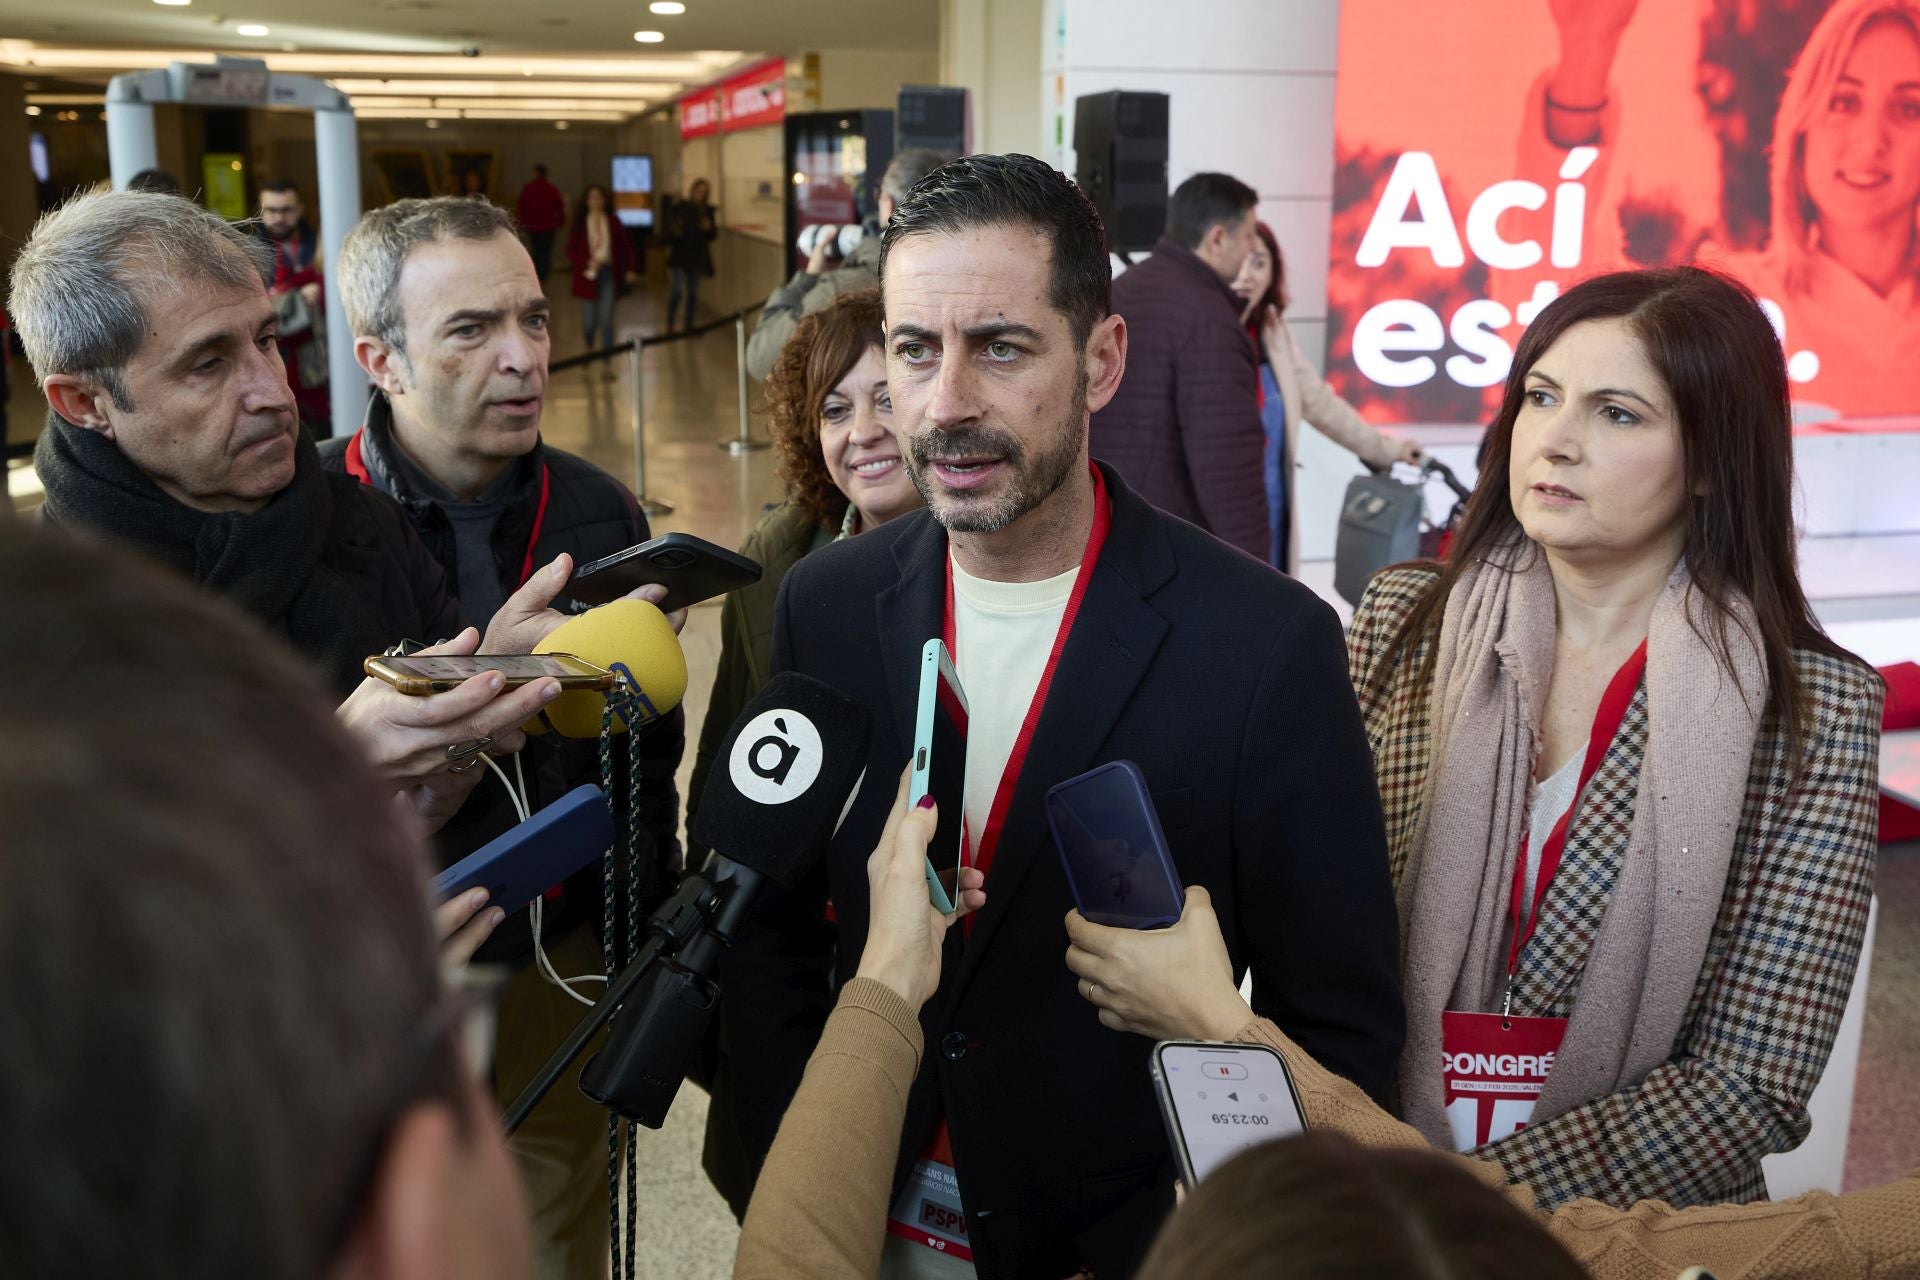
{"points": [[524, 862], [692, 569], [420, 676], [1219, 1099], [940, 768], [1117, 862]]}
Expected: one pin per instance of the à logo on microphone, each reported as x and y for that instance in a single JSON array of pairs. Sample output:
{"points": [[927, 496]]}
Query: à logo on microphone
{"points": [[776, 757]]}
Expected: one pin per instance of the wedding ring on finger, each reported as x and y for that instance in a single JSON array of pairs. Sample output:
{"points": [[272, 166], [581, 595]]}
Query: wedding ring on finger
{"points": [[462, 756]]}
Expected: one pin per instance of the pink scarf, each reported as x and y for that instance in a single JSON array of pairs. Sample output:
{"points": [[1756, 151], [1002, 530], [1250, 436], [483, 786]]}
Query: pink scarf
{"points": [[1492, 667]]}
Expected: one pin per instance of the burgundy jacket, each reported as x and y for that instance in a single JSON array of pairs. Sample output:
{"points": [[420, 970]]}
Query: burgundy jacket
{"points": [[1184, 428]]}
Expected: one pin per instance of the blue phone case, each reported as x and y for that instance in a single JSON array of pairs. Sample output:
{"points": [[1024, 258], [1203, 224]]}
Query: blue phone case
{"points": [[521, 864], [1116, 858], [933, 660]]}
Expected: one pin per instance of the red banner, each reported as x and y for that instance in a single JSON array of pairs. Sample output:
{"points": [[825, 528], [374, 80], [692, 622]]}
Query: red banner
{"points": [[1481, 167], [700, 114], [755, 97]]}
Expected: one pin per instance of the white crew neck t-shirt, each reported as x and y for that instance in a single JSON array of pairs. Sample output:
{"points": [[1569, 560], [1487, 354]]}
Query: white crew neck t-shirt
{"points": [[1003, 632]]}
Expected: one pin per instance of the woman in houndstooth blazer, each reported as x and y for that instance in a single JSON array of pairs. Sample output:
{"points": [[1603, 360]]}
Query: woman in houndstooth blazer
{"points": [[1631, 544]]}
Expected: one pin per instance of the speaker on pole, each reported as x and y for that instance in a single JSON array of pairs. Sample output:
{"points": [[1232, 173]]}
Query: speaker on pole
{"points": [[937, 117], [1120, 144]]}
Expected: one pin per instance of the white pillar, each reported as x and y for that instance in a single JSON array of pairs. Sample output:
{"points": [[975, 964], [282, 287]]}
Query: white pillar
{"points": [[338, 142], [130, 141]]}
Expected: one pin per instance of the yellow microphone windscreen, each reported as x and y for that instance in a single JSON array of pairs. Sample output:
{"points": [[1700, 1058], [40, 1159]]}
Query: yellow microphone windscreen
{"points": [[630, 638]]}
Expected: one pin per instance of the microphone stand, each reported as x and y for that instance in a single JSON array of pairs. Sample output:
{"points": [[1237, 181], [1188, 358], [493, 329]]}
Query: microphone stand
{"points": [[647, 1054]]}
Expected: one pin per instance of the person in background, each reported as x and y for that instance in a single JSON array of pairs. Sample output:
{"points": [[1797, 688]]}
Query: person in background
{"points": [[603, 265], [831, 422], [299, 298], [155, 180], [451, 325], [826, 275], [473, 184], [688, 232], [541, 211], [229, 1050], [830, 418], [1185, 425], [1620, 761], [1290, 389]]}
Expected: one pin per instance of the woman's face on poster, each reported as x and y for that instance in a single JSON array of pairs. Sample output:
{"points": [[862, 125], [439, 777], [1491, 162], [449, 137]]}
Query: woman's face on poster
{"points": [[1863, 144]]}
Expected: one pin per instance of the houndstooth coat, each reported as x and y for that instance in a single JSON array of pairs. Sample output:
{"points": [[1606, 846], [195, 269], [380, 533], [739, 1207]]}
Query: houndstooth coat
{"points": [[1779, 964]]}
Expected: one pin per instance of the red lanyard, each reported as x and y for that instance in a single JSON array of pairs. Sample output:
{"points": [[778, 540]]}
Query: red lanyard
{"points": [[1606, 723], [357, 468], [1017, 758]]}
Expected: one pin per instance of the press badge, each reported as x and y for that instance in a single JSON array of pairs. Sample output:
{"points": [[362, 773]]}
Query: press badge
{"points": [[1494, 1067], [928, 1211]]}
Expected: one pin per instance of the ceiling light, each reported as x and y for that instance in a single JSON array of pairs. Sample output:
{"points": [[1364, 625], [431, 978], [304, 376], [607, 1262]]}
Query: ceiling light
{"points": [[33, 111], [647, 69], [649, 37], [251, 29], [173, 2], [667, 8], [433, 124], [560, 124], [626, 91]]}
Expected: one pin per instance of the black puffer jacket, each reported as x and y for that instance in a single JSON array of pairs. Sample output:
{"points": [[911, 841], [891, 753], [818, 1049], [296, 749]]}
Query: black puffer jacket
{"points": [[589, 514]]}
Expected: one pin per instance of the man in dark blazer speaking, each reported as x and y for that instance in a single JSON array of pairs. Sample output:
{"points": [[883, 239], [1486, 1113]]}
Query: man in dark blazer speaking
{"points": [[1087, 627]]}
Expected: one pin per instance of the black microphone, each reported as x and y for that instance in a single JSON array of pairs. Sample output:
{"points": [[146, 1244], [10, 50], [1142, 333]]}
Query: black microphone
{"points": [[783, 781]]}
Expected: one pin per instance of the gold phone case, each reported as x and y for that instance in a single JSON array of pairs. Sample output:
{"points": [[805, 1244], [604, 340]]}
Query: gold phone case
{"points": [[396, 672]]}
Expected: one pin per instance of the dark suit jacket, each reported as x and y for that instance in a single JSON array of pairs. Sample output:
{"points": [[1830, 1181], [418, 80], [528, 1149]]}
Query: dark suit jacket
{"points": [[1185, 424], [1226, 682]]}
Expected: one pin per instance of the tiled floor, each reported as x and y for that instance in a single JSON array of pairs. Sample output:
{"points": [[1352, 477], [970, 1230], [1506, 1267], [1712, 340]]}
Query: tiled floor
{"points": [[691, 406]]}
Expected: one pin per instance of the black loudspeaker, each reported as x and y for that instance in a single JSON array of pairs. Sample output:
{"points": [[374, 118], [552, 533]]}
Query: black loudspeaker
{"points": [[936, 117], [1120, 139]]}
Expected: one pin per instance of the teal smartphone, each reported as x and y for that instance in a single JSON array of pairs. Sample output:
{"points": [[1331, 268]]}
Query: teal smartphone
{"points": [[940, 768]]}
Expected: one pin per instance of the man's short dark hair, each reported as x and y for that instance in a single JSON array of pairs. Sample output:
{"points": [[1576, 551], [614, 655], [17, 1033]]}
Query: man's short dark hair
{"points": [[281, 187], [1017, 191], [539, 171], [215, 937], [1206, 201]]}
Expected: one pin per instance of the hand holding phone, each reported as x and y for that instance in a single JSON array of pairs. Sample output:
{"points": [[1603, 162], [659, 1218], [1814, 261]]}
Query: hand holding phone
{"points": [[940, 768], [905, 934], [1117, 862], [1176, 983], [424, 675], [1218, 1099], [691, 569]]}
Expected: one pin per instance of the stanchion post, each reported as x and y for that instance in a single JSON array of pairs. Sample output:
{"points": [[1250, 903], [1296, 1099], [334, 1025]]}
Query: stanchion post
{"points": [[744, 442], [651, 506]]}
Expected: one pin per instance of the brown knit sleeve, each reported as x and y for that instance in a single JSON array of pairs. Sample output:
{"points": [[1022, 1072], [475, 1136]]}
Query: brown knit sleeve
{"points": [[1866, 1233], [820, 1207]]}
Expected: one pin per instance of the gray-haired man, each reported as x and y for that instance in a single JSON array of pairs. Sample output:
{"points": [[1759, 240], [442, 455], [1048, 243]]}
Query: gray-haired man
{"points": [[173, 431], [815, 286], [450, 323]]}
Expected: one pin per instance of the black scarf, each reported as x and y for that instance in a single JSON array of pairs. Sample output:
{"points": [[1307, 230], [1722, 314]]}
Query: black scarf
{"points": [[272, 562]]}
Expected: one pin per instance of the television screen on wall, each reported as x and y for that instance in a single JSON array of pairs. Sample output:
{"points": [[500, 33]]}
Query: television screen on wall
{"points": [[633, 190]]}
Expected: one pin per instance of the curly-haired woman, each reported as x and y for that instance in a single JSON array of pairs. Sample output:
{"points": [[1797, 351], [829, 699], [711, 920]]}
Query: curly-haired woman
{"points": [[831, 421]]}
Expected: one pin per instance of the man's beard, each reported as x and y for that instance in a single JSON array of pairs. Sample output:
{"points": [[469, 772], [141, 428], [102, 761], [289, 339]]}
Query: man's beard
{"points": [[1032, 478]]}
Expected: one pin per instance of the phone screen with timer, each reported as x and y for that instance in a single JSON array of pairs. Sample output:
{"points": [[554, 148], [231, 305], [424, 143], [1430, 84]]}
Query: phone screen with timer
{"points": [[1219, 1099]]}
